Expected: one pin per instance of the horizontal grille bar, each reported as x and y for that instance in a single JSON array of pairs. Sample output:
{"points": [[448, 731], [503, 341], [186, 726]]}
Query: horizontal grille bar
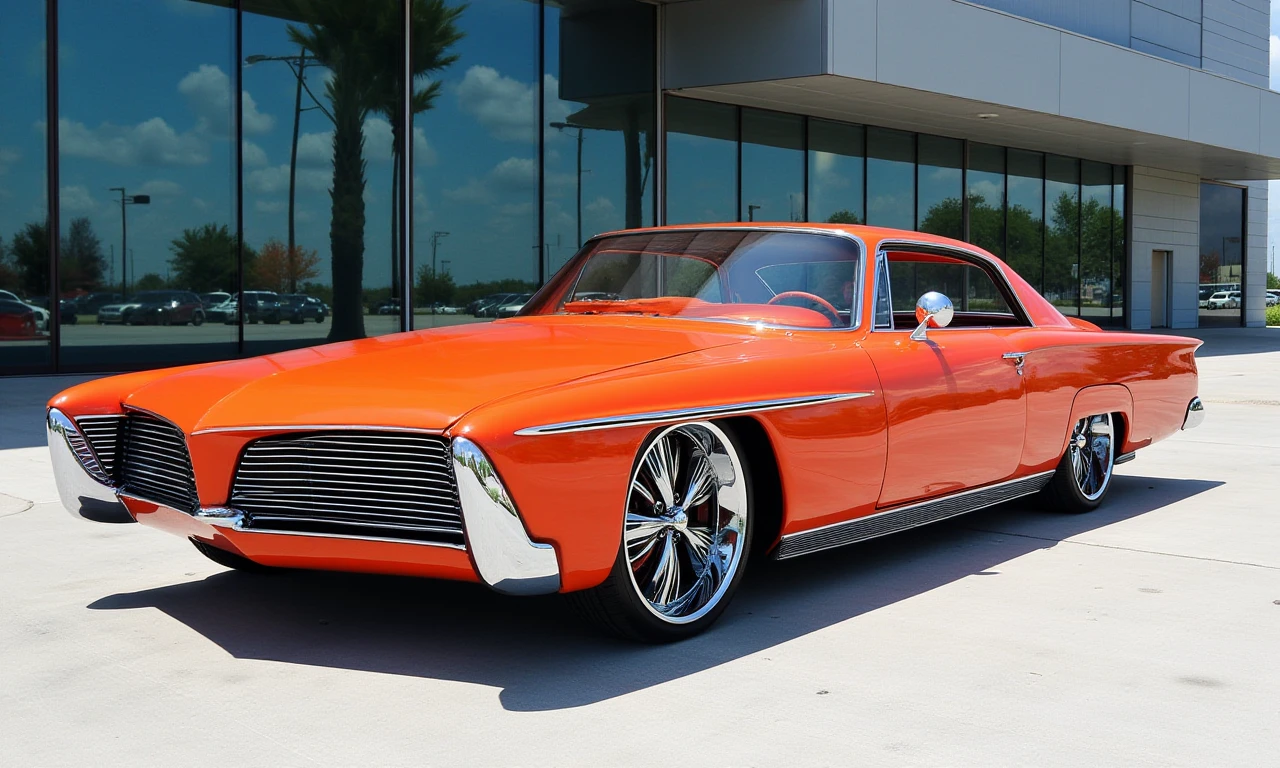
{"points": [[155, 463], [372, 484], [103, 434]]}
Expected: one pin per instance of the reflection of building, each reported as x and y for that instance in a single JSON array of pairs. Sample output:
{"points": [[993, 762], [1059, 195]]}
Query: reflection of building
{"points": [[1083, 142]]}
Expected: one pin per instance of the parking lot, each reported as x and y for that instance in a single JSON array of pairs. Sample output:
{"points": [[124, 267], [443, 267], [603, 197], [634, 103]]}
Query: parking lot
{"points": [[1142, 634]]}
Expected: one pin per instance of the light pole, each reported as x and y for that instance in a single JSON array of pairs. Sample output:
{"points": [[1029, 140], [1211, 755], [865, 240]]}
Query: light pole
{"points": [[436, 237], [124, 234], [444, 264], [751, 211], [579, 128], [297, 65]]}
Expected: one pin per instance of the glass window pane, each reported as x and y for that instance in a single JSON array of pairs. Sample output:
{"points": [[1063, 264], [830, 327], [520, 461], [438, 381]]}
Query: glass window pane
{"points": [[1096, 229], [891, 178], [702, 161], [475, 175], [147, 164], [939, 181], [599, 134], [1221, 254], [986, 197], [1062, 238], [836, 172], [772, 166], [26, 309], [1026, 215], [1119, 251]]}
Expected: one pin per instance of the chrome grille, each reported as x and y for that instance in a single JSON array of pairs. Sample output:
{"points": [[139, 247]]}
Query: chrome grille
{"points": [[368, 484], [103, 434], [155, 464]]}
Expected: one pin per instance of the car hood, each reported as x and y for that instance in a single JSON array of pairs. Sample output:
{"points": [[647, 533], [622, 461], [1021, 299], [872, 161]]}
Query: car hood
{"points": [[424, 379]]}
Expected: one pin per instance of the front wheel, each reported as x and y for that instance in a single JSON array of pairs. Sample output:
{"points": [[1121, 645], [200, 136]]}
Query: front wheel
{"points": [[1084, 474], [686, 537]]}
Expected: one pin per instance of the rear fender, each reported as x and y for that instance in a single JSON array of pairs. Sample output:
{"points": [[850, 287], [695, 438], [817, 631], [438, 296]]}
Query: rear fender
{"points": [[1103, 398]]}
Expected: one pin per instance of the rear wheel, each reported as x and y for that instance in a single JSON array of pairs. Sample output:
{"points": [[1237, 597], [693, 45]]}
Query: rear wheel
{"points": [[1083, 476], [686, 537], [230, 559]]}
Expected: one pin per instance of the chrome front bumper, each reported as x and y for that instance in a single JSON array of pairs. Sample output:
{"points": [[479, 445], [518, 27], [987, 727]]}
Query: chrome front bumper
{"points": [[1195, 414], [83, 493], [504, 556]]}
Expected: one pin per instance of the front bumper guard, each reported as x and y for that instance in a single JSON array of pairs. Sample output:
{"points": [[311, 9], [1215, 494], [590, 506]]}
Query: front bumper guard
{"points": [[1195, 414], [503, 554]]}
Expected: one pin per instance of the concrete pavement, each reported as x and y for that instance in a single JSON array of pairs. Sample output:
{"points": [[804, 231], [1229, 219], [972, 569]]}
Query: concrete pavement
{"points": [[1142, 634]]}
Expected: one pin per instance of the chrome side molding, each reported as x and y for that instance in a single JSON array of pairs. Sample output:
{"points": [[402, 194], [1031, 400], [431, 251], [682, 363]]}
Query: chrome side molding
{"points": [[1195, 414], [910, 516], [687, 414], [83, 487], [501, 549]]}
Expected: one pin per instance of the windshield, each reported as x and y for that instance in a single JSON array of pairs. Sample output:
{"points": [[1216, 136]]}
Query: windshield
{"points": [[793, 279]]}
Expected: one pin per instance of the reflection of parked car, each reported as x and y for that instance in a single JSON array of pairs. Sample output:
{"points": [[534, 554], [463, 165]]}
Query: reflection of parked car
{"points": [[512, 306], [259, 307], [1223, 300], [299, 308], [213, 299], [1205, 293], [223, 312], [90, 303], [388, 307], [113, 314], [41, 314], [16, 319], [489, 308], [1273, 298], [166, 308]]}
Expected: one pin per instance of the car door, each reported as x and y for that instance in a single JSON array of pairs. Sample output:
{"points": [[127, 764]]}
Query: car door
{"points": [[955, 402]]}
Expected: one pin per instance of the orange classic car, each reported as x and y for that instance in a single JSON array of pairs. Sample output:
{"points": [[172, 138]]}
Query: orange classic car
{"points": [[672, 405]]}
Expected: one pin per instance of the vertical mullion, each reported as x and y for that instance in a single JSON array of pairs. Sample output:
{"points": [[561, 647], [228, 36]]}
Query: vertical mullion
{"points": [[1079, 237], [540, 249], [915, 188], [737, 111], [405, 235], [238, 117], [1044, 215], [53, 204], [659, 123], [866, 170], [804, 127], [964, 193]]}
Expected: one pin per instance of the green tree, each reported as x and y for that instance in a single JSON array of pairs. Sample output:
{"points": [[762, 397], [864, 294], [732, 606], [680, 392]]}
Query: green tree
{"points": [[432, 287], [8, 275], [150, 282], [1272, 281], [29, 254], [82, 263], [204, 259], [844, 216]]}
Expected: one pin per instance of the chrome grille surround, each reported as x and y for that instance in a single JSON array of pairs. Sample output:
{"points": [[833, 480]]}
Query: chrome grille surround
{"points": [[103, 434], [369, 484], [155, 464]]}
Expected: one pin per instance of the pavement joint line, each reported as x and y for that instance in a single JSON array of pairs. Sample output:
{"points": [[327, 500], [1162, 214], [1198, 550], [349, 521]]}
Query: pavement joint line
{"points": [[1128, 549]]}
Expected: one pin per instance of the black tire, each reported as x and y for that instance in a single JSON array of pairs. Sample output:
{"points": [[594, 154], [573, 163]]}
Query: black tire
{"points": [[230, 559], [1065, 493], [197, 319], [319, 319], [617, 607]]}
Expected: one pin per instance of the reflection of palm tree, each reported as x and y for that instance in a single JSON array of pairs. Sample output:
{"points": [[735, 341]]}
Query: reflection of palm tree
{"points": [[360, 44]]}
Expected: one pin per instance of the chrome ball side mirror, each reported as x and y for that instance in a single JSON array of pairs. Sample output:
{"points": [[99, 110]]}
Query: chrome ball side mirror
{"points": [[933, 310]]}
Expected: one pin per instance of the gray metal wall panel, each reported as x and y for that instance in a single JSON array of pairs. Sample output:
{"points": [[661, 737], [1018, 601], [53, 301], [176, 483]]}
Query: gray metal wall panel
{"points": [[1165, 53], [1167, 30], [1235, 40], [1188, 9], [1104, 19]]}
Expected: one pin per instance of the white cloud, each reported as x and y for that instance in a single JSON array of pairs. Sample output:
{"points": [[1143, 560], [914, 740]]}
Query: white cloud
{"points": [[506, 107], [275, 179], [160, 189], [8, 157], [152, 142], [600, 206], [76, 199], [254, 155], [474, 191], [511, 176], [269, 206], [208, 91], [316, 149]]}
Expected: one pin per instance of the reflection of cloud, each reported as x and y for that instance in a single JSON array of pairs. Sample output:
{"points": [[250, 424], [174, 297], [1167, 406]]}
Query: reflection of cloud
{"points": [[316, 149], [268, 181], [254, 155], [208, 91], [508, 107], [515, 175], [76, 199], [826, 170], [991, 192], [269, 206], [152, 142], [601, 206], [474, 191], [8, 157], [160, 189]]}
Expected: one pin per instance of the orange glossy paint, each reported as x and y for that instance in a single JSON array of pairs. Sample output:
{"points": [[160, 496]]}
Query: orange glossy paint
{"points": [[836, 461]]}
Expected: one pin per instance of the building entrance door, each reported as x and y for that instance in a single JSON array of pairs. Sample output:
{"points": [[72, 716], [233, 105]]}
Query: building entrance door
{"points": [[1160, 288]]}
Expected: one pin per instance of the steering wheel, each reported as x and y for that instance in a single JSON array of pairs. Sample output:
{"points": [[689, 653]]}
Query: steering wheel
{"points": [[826, 305]]}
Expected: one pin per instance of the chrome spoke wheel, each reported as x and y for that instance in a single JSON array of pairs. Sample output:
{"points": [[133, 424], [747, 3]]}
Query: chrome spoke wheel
{"points": [[1092, 453], [686, 521]]}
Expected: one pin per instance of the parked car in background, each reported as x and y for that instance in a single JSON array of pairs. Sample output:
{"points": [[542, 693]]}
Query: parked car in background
{"points": [[388, 307], [90, 303], [223, 312], [66, 309], [299, 308], [17, 320], [1223, 300], [213, 299], [117, 313], [259, 307], [513, 305], [489, 308], [1205, 294], [41, 314], [1273, 298], [166, 308]]}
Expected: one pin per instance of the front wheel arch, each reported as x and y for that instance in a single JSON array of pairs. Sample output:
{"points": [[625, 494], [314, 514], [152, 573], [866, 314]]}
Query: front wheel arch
{"points": [[766, 482]]}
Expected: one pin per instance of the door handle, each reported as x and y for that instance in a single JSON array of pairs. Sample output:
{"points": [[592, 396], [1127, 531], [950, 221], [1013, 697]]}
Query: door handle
{"points": [[1018, 357]]}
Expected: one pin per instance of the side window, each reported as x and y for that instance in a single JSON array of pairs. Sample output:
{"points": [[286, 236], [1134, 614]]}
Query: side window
{"points": [[978, 300], [884, 309]]}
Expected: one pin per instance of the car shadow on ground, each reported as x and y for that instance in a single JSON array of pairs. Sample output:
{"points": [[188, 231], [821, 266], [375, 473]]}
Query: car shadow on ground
{"points": [[543, 658]]}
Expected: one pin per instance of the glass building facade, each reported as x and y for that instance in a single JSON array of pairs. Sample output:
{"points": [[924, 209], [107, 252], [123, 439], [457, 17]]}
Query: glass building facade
{"points": [[236, 177]]}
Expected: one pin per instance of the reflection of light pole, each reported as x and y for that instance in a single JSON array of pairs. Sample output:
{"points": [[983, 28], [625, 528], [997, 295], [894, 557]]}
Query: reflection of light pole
{"points": [[751, 211], [297, 65], [444, 264], [579, 128], [436, 237], [124, 233]]}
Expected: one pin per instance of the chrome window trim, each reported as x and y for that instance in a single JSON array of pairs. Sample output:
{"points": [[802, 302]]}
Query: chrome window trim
{"points": [[881, 260], [859, 268], [881, 249], [317, 428], [686, 414]]}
